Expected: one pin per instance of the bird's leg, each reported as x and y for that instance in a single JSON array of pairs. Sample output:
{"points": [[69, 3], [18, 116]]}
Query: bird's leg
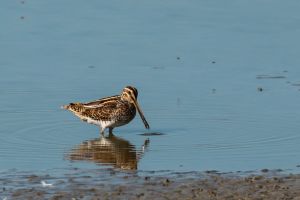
{"points": [[110, 130]]}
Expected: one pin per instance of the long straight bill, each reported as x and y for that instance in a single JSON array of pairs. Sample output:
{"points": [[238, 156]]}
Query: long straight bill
{"points": [[141, 114]]}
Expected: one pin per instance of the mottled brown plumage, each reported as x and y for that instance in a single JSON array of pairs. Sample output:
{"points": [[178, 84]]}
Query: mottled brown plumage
{"points": [[111, 111]]}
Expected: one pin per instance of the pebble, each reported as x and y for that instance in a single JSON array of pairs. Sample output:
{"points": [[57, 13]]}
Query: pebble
{"points": [[264, 170], [257, 178], [166, 182]]}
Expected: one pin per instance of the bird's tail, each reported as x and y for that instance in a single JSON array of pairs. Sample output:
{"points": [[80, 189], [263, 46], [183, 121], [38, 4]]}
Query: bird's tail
{"points": [[65, 107], [74, 107]]}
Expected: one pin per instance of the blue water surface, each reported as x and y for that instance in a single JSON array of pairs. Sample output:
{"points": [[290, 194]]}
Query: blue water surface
{"points": [[219, 79]]}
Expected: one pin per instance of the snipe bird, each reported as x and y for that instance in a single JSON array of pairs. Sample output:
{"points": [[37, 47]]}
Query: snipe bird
{"points": [[110, 112]]}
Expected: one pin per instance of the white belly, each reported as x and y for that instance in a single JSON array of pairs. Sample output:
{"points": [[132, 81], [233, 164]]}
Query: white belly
{"points": [[104, 124]]}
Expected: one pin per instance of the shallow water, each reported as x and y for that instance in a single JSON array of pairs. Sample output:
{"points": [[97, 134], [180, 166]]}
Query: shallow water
{"points": [[218, 83]]}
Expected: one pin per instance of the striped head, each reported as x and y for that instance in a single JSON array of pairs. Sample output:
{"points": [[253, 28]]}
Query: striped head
{"points": [[130, 94]]}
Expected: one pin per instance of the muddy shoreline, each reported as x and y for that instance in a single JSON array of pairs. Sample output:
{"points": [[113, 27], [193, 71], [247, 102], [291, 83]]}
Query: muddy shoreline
{"points": [[191, 185]]}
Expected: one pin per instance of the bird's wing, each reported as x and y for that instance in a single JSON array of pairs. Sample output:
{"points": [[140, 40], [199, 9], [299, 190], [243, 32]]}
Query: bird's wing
{"points": [[100, 102], [104, 112]]}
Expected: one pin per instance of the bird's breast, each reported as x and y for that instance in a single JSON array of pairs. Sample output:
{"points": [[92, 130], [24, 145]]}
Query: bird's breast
{"points": [[126, 111]]}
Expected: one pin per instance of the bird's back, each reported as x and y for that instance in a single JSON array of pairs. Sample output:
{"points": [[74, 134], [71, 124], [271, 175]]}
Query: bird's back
{"points": [[105, 109]]}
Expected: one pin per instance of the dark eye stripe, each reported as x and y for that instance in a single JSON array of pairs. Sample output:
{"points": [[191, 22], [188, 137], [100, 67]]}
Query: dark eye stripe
{"points": [[133, 90], [130, 93]]}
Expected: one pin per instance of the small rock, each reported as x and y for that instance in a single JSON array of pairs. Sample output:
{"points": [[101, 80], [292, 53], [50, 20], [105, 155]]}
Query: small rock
{"points": [[166, 182], [92, 190], [140, 195], [212, 193], [260, 186], [264, 170], [211, 171], [34, 178], [257, 178], [276, 187]]}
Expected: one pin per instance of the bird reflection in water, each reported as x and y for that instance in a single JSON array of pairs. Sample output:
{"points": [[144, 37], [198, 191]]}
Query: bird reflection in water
{"points": [[109, 150]]}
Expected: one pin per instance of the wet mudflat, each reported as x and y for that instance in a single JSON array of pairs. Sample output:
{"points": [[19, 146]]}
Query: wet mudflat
{"points": [[192, 185]]}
